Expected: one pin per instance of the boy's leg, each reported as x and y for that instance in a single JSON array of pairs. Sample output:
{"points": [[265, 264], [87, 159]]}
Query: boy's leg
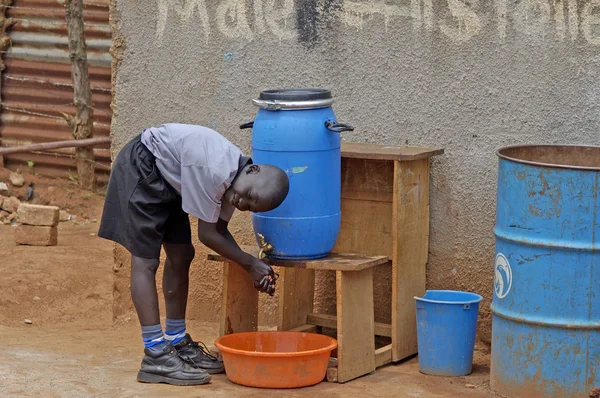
{"points": [[176, 278], [143, 290], [162, 363], [175, 289]]}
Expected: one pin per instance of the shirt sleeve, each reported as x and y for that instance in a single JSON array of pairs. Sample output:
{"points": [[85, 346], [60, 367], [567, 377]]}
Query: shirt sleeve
{"points": [[200, 197], [205, 176]]}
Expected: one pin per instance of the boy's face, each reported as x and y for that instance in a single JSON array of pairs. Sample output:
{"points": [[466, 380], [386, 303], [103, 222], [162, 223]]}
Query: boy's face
{"points": [[248, 193]]}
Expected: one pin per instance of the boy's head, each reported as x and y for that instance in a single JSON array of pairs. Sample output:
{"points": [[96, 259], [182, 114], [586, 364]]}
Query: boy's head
{"points": [[258, 188]]}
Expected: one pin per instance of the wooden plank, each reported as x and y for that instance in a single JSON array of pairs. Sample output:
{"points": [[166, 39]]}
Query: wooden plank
{"points": [[335, 261], [366, 228], [355, 324], [383, 355], [304, 328], [365, 179], [239, 312], [330, 321], [361, 150], [296, 296], [409, 258]]}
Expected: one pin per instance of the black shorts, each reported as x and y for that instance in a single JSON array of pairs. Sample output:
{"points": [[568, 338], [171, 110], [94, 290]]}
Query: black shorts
{"points": [[142, 210]]}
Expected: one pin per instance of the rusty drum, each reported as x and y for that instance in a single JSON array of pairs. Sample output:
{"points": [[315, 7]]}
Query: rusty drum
{"points": [[546, 306]]}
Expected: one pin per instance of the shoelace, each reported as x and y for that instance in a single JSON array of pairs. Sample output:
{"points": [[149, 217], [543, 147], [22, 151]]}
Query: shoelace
{"points": [[200, 347], [188, 360], [204, 349]]}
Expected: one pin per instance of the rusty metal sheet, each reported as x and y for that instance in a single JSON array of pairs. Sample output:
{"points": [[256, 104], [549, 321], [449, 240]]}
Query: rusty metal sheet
{"points": [[37, 86]]}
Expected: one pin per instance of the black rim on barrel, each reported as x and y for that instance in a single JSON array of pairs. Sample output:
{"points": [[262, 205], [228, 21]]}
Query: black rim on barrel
{"points": [[303, 94]]}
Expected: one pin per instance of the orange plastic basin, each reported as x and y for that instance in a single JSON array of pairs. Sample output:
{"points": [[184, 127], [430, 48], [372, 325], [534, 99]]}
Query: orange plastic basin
{"points": [[276, 359]]}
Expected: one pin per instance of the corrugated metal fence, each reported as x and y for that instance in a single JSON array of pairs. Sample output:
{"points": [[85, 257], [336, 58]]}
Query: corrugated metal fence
{"points": [[37, 85]]}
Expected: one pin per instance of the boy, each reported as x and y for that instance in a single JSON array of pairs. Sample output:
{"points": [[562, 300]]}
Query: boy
{"points": [[157, 179]]}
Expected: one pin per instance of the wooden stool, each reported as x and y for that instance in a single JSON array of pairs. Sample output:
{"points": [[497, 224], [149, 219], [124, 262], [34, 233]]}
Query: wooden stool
{"points": [[354, 293]]}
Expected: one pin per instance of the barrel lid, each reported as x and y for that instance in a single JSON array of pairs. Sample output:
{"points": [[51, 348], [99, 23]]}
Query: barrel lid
{"points": [[303, 98], [302, 94]]}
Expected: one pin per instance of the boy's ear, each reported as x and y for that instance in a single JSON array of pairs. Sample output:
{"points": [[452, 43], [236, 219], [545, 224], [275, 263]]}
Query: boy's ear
{"points": [[253, 169]]}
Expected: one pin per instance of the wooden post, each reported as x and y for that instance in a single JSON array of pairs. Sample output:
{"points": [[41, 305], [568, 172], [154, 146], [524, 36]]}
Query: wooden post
{"points": [[5, 23], [355, 324], [296, 297], [239, 312], [82, 123], [411, 242]]}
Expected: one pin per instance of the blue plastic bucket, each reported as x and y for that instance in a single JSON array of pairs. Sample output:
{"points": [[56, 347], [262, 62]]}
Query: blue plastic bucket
{"points": [[446, 328]]}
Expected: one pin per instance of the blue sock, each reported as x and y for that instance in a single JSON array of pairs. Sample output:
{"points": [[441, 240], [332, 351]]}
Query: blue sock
{"points": [[153, 337], [175, 330]]}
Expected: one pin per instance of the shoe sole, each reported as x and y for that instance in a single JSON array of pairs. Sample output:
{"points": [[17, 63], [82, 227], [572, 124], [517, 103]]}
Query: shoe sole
{"points": [[214, 371], [144, 377]]}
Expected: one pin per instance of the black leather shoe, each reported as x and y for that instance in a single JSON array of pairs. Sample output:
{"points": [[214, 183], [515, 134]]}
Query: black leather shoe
{"points": [[198, 354], [167, 366]]}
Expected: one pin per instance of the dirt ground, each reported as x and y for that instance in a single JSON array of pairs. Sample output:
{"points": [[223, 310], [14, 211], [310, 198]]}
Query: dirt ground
{"points": [[72, 348]]}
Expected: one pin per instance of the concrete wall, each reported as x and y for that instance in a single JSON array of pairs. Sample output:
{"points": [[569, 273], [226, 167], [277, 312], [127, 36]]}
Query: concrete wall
{"points": [[468, 76]]}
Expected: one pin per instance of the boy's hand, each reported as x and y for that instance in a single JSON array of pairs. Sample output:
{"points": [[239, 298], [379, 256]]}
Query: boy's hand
{"points": [[263, 277], [217, 237]]}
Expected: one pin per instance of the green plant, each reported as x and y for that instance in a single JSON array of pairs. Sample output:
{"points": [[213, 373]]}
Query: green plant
{"points": [[72, 178], [31, 165]]}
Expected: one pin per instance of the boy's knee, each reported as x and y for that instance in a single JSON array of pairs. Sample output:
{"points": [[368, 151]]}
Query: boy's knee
{"points": [[139, 264], [182, 256]]}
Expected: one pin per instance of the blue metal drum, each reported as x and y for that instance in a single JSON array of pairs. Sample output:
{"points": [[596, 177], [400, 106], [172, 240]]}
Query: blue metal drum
{"points": [[297, 131], [546, 307]]}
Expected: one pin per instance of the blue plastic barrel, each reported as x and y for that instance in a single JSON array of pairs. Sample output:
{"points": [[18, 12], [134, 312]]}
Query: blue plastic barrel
{"points": [[446, 328], [546, 306], [297, 131]]}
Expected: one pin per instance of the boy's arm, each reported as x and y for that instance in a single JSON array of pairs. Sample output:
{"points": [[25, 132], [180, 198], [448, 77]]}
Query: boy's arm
{"points": [[209, 235], [224, 231]]}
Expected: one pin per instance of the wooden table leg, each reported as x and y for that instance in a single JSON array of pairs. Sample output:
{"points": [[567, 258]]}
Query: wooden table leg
{"points": [[409, 258], [239, 312], [355, 324], [296, 296]]}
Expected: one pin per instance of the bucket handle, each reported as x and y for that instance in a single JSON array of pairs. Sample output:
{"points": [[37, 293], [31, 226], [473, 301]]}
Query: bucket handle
{"points": [[338, 127], [248, 125], [466, 306]]}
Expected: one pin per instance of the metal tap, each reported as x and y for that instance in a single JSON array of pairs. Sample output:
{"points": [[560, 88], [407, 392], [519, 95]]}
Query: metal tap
{"points": [[264, 247]]}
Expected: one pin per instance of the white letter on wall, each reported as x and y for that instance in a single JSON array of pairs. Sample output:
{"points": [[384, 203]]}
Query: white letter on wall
{"points": [[231, 19], [468, 22], [185, 12], [426, 18], [277, 19], [590, 22], [532, 17]]}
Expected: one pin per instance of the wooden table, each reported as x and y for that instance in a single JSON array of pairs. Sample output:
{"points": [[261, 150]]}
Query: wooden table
{"points": [[356, 354], [385, 211], [385, 217]]}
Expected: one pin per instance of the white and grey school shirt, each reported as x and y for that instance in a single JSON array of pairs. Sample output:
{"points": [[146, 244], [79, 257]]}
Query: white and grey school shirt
{"points": [[199, 164]]}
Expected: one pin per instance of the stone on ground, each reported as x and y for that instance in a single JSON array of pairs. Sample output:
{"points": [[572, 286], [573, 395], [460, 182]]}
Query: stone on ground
{"points": [[38, 215], [7, 218], [64, 216], [3, 189], [36, 236], [10, 204], [16, 179]]}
